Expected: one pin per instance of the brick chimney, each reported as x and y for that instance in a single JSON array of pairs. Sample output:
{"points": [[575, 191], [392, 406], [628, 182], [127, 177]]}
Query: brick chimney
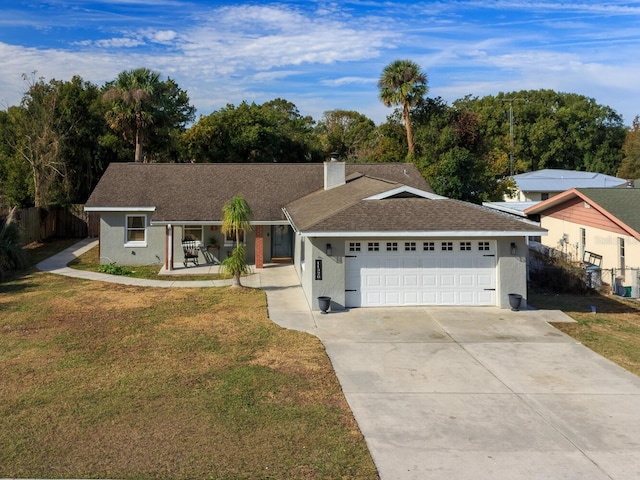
{"points": [[334, 173]]}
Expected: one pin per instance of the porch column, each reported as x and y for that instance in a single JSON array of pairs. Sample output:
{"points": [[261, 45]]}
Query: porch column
{"points": [[169, 248], [259, 246]]}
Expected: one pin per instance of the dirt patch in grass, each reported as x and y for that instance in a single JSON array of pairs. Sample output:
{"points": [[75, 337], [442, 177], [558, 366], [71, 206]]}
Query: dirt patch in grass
{"points": [[111, 381], [607, 324]]}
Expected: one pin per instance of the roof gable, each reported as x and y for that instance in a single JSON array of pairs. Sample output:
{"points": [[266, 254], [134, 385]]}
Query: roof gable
{"points": [[618, 205], [378, 207]]}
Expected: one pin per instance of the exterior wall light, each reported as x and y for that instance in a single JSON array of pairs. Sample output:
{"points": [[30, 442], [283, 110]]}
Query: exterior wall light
{"points": [[514, 248], [328, 249]]}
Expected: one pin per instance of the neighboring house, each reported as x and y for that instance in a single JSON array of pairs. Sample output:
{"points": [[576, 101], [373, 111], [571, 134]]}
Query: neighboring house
{"points": [[363, 234], [543, 184], [595, 225]]}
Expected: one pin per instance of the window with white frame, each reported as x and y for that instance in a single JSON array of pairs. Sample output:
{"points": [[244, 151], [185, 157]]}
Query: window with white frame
{"points": [[465, 246], [621, 253], [136, 231], [409, 246], [428, 246], [392, 246], [447, 246], [354, 246], [373, 247], [484, 246], [193, 232]]}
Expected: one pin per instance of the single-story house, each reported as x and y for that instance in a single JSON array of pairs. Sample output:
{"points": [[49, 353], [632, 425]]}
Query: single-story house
{"points": [[543, 184], [363, 234], [595, 225]]}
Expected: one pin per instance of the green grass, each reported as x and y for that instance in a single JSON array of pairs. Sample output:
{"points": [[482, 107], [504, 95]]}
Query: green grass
{"points": [[111, 381], [613, 330]]}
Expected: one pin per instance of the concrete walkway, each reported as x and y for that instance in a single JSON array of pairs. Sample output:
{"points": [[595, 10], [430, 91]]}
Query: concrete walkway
{"points": [[467, 393], [58, 264]]}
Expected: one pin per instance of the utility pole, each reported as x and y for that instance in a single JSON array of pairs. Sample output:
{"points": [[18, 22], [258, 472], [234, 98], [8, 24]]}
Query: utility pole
{"points": [[511, 144]]}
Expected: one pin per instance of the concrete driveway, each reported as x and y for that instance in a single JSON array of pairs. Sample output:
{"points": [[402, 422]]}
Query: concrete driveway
{"points": [[482, 393], [475, 393]]}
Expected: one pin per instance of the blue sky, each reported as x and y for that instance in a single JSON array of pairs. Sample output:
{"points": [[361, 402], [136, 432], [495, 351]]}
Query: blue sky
{"points": [[328, 55]]}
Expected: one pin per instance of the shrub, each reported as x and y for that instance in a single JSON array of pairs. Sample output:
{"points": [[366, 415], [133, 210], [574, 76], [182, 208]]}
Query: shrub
{"points": [[113, 269], [557, 275], [12, 256]]}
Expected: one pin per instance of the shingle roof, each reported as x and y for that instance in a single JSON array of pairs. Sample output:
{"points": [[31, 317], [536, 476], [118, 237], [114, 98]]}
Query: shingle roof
{"points": [[555, 180], [197, 192], [623, 203], [345, 209]]}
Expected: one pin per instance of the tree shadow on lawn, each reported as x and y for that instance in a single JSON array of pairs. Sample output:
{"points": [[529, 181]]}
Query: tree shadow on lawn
{"points": [[586, 303]]}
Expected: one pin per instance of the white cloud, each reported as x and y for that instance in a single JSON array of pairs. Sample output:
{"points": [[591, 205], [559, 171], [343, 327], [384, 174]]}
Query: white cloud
{"points": [[122, 42]]}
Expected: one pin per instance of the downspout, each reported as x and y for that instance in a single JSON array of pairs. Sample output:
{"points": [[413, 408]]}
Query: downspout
{"points": [[169, 247]]}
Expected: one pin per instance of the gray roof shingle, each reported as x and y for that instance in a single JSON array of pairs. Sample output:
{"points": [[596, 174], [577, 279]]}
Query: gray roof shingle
{"points": [[197, 192]]}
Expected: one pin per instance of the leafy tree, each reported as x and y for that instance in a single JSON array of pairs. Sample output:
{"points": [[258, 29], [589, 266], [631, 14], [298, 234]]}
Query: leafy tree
{"points": [[14, 171], [50, 151], [38, 136], [236, 218], [402, 83], [81, 118], [452, 154], [348, 133], [551, 130], [272, 132], [630, 166], [144, 110]]}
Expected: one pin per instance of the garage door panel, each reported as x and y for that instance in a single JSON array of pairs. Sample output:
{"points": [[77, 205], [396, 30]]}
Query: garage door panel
{"points": [[486, 298], [429, 280], [410, 280], [392, 280], [447, 280], [422, 276]]}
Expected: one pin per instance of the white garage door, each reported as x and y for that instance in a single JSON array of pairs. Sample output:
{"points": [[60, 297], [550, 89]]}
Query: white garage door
{"points": [[400, 272]]}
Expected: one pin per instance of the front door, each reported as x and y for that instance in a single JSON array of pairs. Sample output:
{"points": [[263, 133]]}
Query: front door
{"points": [[281, 241]]}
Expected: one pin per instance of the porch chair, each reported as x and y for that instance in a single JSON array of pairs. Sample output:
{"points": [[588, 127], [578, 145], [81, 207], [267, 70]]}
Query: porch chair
{"points": [[191, 250]]}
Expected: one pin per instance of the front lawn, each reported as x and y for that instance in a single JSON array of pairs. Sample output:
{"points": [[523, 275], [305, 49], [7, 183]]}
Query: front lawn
{"points": [[613, 330], [110, 381]]}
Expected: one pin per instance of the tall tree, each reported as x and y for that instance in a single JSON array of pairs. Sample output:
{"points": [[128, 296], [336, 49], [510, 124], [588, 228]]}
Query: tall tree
{"points": [[236, 222], [630, 166], [349, 133], [272, 132], [403, 83], [132, 99], [551, 130], [38, 137]]}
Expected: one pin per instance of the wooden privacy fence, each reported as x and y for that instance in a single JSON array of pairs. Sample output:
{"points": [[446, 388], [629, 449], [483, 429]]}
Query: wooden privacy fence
{"points": [[62, 222]]}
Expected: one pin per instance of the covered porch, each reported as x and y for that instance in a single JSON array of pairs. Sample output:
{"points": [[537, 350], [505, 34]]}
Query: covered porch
{"points": [[208, 246]]}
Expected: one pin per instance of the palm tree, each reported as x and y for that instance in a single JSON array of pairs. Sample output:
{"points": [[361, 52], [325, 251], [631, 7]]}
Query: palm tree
{"points": [[236, 218], [132, 96], [402, 83]]}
